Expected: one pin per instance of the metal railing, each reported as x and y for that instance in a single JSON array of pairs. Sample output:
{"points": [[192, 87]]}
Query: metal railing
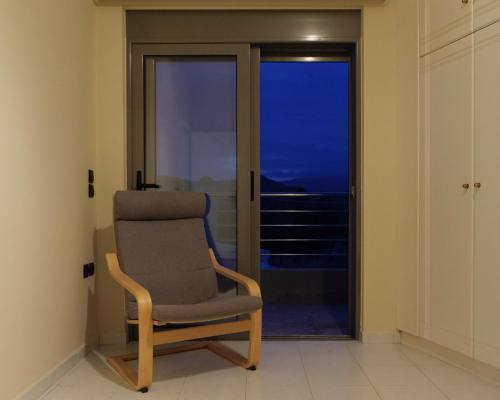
{"points": [[304, 230]]}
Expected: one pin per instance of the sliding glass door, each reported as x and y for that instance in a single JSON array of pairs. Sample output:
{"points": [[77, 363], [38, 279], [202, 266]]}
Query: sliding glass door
{"points": [[267, 133]]}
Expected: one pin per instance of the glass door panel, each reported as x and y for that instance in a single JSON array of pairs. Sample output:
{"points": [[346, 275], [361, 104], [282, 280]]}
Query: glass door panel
{"points": [[194, 135], [304, 197], [195, 139]]}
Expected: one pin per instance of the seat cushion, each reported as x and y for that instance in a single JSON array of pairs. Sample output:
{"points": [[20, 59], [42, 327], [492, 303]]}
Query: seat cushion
{"points": [[169, 258], [216, 308]]}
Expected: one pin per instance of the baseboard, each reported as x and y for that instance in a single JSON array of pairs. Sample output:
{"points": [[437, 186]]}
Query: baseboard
{"points": [[115, 338], [47, 381], [380, 337], [452, 357]]}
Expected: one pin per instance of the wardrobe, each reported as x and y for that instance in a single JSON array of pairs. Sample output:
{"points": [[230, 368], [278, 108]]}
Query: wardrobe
{"points": [[459, 176]]}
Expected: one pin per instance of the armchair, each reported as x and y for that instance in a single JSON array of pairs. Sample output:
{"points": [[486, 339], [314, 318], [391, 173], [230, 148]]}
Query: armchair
{"points": [[169, 273]]}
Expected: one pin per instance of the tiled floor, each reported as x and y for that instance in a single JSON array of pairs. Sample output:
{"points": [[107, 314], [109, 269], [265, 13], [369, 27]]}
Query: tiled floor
{"points": [[288, 371]]}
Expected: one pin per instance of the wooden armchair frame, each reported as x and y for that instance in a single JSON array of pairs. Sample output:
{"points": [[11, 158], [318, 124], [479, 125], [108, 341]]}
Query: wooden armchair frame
{"points": [[142, 378]]}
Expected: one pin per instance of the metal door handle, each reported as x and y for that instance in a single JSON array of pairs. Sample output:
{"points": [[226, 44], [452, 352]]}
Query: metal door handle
{"points": [[143, 186], [139, 185], [252, 186]]}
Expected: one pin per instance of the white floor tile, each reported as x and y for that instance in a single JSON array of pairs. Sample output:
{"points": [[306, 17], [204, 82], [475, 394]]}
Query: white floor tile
{"points": [[325, 375], [378, 354], [281, 363], [78, 393], [422, 392], [388, 375], [335, 352], [164, 390], [92, 377], [258, 389], [483, 392], [448, 375], [214, 378], [212, 386], [420, 358], [346, 393]]}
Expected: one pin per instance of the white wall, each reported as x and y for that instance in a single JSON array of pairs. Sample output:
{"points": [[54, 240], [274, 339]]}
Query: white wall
{"points": [[47, 131]]}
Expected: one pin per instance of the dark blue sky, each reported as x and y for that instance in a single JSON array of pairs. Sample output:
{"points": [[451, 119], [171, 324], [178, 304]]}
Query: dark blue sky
{"points": [[304, 123]]}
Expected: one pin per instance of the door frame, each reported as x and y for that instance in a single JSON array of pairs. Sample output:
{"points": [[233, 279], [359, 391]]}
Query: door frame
{"points": [[141, 123], [314, 53], [281, 27]]}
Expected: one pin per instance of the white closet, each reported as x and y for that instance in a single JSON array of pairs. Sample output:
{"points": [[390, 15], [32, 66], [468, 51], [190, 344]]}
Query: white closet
{"points": [[460, 176], [485, 12], [487, 197], [442, 21], [448, 217]]}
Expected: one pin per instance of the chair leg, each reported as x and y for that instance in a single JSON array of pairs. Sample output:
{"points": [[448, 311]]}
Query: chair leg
{"points": [[142, 378], [145, 361], [254, 340], [254, 345]]}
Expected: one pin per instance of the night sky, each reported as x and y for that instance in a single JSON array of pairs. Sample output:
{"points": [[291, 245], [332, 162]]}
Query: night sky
{"points": [[304, 124]]}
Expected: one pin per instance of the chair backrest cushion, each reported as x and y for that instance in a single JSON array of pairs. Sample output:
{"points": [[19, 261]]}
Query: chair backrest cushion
{"points": [[161, 243]]}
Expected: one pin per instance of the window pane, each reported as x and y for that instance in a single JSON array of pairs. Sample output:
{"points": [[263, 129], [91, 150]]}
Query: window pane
{"points": [[304, 197], [196, 138]]}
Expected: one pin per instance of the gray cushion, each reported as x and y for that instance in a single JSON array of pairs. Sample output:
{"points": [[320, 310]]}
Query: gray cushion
{"points": [[155, 206], [161, 244], [169, 258], [212, 309]]}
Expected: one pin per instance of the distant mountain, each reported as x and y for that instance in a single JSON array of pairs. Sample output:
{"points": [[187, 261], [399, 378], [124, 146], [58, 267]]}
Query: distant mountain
{"points": [[321, 183], [268, 185]]}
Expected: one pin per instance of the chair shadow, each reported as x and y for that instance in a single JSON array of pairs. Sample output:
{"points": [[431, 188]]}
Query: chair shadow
{"points": [[164, 373]]}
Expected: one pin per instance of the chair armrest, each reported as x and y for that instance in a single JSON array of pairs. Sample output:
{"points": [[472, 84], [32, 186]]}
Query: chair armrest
{"points": [[249, 284], [141, 294]]}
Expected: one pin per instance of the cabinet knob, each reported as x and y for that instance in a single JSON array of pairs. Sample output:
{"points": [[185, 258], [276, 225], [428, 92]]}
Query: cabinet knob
{"points": [[465, 1], [466, 186], [477, 185]]}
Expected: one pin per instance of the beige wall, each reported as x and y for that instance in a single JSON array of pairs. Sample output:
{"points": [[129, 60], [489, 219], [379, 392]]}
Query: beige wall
{"points": [[407, 153], [110, 160], [378, 158], [47, 127], [388, 161], [390, 172]]}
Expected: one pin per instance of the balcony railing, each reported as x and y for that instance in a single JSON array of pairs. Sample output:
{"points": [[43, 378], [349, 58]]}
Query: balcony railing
{"points": [[304, 230]]}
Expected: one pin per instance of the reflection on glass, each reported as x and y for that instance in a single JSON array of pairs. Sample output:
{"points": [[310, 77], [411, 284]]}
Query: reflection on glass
{"points": [[196, 139]]}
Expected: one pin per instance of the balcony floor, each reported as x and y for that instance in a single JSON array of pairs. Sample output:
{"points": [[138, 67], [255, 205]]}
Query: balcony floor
{"points": [[305, 319]]}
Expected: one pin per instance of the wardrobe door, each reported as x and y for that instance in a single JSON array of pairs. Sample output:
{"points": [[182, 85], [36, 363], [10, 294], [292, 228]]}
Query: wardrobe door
{"points": [[486, 12], [448, 129], [443, 21], [487, 196]]}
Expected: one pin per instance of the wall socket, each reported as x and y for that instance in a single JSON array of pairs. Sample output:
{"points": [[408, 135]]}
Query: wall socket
{"points": [[88, 270]]}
